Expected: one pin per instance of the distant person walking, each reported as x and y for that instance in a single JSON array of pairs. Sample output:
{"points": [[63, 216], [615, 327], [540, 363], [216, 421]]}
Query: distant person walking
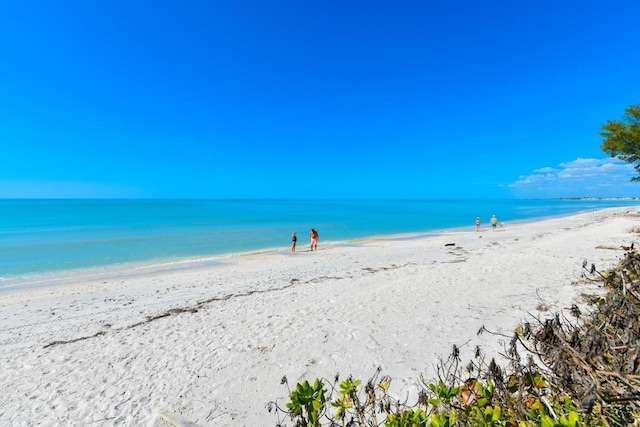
{"points": [[294, 240], [313, 235], [494, 223], [478, 224]]}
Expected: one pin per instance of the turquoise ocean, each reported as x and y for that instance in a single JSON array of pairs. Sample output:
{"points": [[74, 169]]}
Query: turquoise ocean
{"points": [[44, 237]]}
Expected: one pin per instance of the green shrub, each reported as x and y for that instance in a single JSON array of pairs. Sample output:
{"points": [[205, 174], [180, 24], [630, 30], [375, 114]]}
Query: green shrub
{"points": [[578, 372]]}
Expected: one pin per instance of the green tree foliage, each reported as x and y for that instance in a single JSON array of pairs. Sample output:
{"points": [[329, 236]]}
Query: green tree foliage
{"points": [[622, 138]]}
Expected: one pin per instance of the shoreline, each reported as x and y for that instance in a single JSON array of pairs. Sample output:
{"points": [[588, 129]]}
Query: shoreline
{"points": [[212, 343], [137, 268]]}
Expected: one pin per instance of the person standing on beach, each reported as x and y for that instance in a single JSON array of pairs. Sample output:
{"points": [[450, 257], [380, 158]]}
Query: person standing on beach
{"points": [[478, 224], [313, 235], [294, 240], [494, 223]]}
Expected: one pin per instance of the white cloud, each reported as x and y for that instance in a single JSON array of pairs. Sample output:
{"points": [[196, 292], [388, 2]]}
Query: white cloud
{"points": [[544, 170], [607, 177]]}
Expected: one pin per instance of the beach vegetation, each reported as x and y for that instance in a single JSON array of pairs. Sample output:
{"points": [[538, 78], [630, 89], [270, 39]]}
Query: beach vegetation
{"points": [[573, 369], [307, 402], [409, 418], [622, 138]]}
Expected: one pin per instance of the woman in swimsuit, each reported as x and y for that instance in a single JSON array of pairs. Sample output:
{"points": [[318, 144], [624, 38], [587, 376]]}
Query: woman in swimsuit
{"points": [[314, 239]]}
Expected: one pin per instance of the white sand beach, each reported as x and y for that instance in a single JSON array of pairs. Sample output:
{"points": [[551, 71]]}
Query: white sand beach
{"points": [[211, 343]]}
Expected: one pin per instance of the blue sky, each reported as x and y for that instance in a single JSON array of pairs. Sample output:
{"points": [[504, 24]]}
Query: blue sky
{"points": [[299, 99]]}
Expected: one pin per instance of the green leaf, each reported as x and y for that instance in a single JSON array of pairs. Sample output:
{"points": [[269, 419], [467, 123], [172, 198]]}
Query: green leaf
{"points": [[497, 411], [574, 418]]}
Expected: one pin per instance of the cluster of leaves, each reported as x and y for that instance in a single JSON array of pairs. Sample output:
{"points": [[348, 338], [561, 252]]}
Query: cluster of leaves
{"points": [[559, 372], [621, 138]]}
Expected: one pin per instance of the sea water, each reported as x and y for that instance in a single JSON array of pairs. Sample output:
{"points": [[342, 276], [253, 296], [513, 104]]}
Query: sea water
{"points": [[39, 237]]}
